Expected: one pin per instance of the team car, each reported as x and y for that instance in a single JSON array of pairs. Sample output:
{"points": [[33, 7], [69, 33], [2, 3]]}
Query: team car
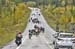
{"points": [[63, 40]]}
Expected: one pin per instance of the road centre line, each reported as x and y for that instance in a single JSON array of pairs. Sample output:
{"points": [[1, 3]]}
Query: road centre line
{"points": [[47, 42], [24, 39]]}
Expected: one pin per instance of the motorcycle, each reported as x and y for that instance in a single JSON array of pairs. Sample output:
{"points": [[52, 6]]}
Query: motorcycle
{"points": [[18, 42], [30, 36]]}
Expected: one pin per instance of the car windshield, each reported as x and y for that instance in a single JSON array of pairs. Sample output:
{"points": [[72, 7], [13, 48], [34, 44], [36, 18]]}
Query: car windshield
{"points": [[67, 36]]}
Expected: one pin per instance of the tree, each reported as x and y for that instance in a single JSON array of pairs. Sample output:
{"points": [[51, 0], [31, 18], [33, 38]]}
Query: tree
{"points": [[31, 3]]}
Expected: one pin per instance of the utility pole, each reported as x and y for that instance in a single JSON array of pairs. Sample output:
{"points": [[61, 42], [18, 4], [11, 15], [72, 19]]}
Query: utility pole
{"points": [[14, 13], [65, 15], [57, 23], [72, 22]]}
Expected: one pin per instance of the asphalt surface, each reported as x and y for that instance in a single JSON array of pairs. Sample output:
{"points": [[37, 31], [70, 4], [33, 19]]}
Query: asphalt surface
{"points": [[43, 41]]}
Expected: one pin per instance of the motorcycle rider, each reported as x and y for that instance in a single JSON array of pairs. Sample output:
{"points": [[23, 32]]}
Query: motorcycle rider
{"points": [[42, 29], [30, 33], [18, 40], [37, 31]]}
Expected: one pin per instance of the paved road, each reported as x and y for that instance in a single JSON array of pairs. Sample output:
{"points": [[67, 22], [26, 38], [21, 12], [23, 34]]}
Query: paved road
{"points": [[40, 42], [43, 41]]}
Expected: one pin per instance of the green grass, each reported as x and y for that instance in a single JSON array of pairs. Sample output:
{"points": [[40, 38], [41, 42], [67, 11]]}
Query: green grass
{"points": [[8, 29], [51, 22], [6, 38], [9, 34]]}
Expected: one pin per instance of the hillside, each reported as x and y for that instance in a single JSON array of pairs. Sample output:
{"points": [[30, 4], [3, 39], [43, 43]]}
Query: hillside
{"points": [[60, 16], [14, 14], [13, 18]]}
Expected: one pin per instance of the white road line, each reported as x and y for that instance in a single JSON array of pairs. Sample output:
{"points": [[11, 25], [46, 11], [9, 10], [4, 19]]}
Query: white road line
{"points": [[23, 40], [47, 42]]}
